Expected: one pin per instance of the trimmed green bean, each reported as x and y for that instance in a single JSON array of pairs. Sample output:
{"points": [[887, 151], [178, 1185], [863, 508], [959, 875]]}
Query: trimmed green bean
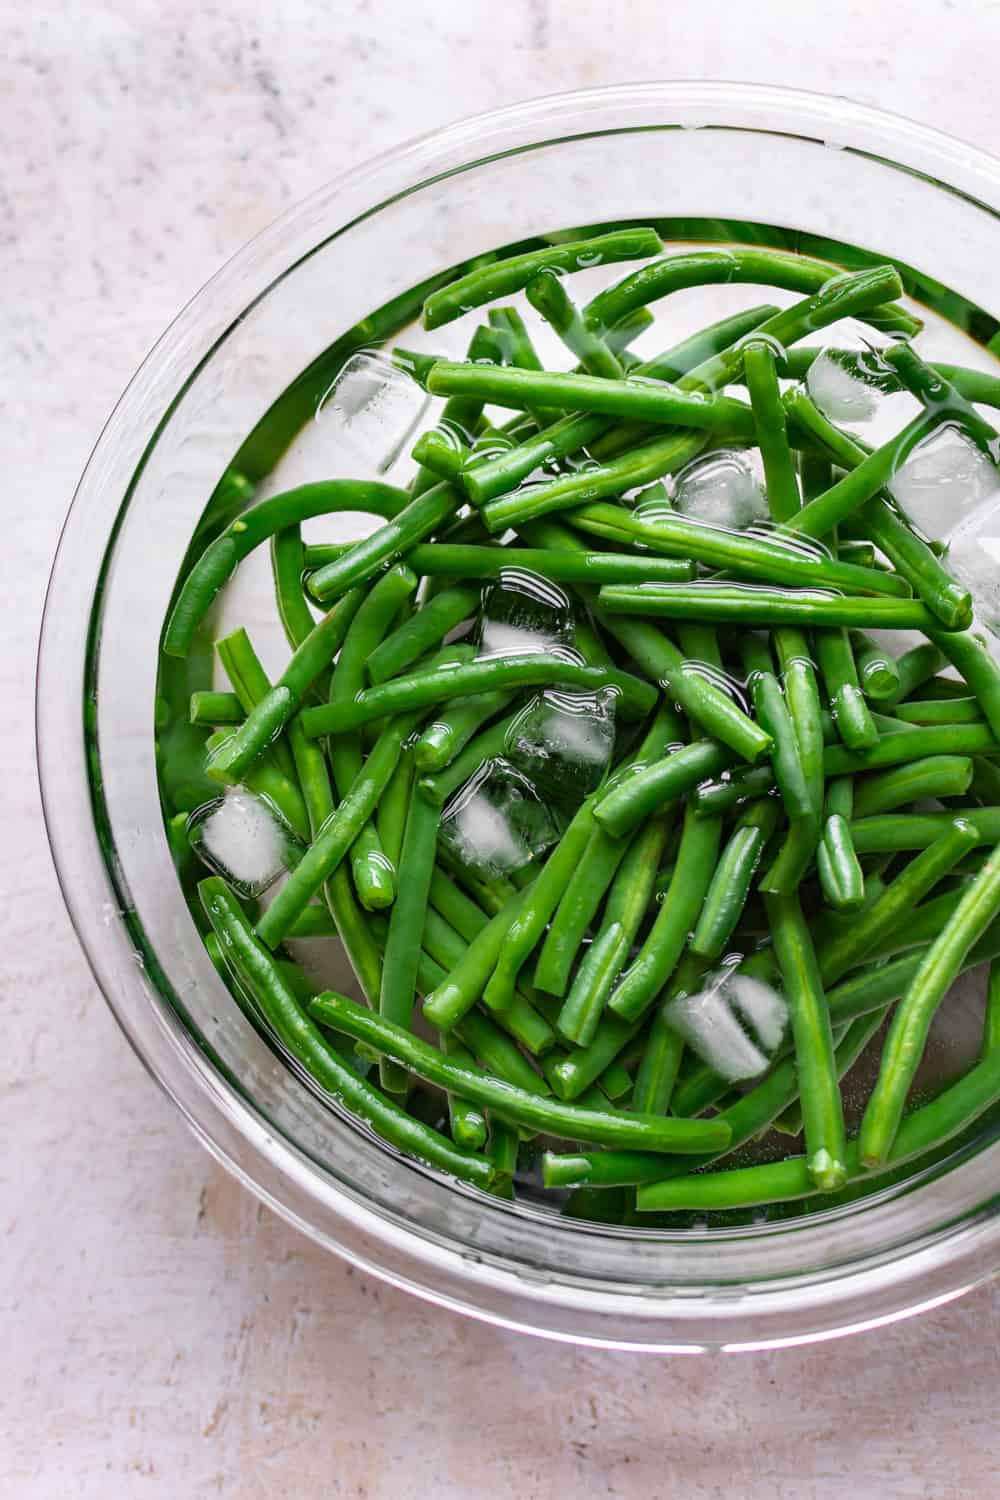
{"points": [[931, 776], [970, 657], [406, 924], [835, 656], [421, 516], [549, 297], [730, 885], [774, 716], [781, 485], [754, 605], [877, 669], [216, 708], [422, 632], [667, 780], [466, 1123], [288, 570], [449, 560]]}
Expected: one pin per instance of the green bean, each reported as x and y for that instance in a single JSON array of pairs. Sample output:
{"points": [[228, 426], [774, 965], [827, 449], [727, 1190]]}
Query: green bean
{"points": [[862, 554], [855, 724], [288, 569], [299, 1035], [607, 955], [460, 416], [755, 605], [459, 910], [970, 657], [337, 835], [769, 559], [822, 1110], [931, 776], [251, 686], [894, 832], [406, 923], [215, 708], [840, 874], [466, 1123], [536, 910], [781, 485], [912, 743], [267, 780], [421, 690], [272, 712], [877, 669], [632, 396], [667, 780], [991, 1022], [423, 631], [659, 456], [448, 948], [504, 277], [664, 1048], [421, 516], [758, 267], [449, 733], [939, 396], [517, 349], [443, 560], [659, 954], [486, 478], [548, 296], [498, 1054], [488, 744], [857, 940], [393, 805], [583, 894], [908, 1033], [730, 885], [218, 562], [939, 711], [613, 1127], [774, 715], [465, 984]]}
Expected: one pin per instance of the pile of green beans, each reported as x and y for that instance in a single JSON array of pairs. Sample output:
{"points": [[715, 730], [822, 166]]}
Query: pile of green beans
{"points": [[788, 802]]}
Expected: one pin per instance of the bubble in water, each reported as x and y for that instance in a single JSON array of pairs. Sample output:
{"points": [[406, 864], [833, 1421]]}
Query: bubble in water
{"points": [[734, 1023], [496, 822], [524, 613], [372, 407], [243, 838], [564, 741], [944, 480], [722, 490]]}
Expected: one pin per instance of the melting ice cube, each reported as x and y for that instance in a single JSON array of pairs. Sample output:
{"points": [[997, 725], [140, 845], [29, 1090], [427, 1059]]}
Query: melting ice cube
{"points": [[944, 480], [734, 1023], [243, 838], [564, 741], [524, 613], [722, 490], [846, 384], [974, 558], [373, 408], [497, 822]]}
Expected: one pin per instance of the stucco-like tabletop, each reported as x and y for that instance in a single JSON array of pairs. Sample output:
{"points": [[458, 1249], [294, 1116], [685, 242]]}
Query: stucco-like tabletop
{"points": [[161, 1334]]}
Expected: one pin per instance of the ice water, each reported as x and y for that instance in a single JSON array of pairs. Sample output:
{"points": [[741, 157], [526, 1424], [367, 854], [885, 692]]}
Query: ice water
{"points": [[734, 1023], [497, 822], [243, 838], [373, 409]]}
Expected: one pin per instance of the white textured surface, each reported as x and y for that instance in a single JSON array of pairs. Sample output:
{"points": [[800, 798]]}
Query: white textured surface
{"points": [[162, 1335]]}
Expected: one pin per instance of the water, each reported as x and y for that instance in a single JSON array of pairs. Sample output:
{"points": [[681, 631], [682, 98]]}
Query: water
{"points": [[523, 613], [944, 481], [734, 1023], [373, 408], [722, 489], [243, 838], [564, 742], [497, 822]]}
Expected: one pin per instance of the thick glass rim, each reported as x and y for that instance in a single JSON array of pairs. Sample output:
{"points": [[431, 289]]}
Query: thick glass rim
{"points": [[965, 1250]]}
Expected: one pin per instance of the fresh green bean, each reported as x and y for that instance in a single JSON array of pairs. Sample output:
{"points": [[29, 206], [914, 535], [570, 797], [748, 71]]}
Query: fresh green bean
{"points": [[502, 278], [421, 690], [908, 1033], [939, 711], [613, 1127], [298, 1033], [423, 631], [216, 708], [774, 715], [393, 805], [444, 560], [730, 885], [931, 776], [549, 297], [251, 686], [452, 729], [835, 656], [288, 570], [467, 1124], [218, 562], [419, 517], [970, 657], [783, 498], [839, 869], [583, 894], [488, 744], [668, 780], [664, 1047], [858, 486], [877, 669], [406, 923], [822, 1109], [753, 605]]}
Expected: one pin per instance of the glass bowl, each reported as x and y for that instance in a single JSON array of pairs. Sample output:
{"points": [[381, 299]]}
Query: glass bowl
{"points": [[769, 159]]}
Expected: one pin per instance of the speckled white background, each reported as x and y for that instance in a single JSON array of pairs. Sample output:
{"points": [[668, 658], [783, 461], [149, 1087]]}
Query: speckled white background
{"points": [[161, 1334]]}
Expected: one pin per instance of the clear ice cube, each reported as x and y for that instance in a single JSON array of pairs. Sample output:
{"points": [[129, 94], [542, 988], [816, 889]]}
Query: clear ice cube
{"points": [[734, 1023], [847, 384], [524, 613], [721, 490], [974, 559], [564, 741], [373, 408], [944, 481], [496, 823], [243, 838]]}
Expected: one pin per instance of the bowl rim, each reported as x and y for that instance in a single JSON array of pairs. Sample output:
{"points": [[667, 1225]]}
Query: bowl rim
{"points": [[240, 1140]]}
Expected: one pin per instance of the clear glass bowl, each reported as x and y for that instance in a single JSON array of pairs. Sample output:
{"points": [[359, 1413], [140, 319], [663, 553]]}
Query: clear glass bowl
{"points": [[766, 156]]}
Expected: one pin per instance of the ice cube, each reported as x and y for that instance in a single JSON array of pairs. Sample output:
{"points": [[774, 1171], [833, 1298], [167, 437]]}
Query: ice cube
{"points": [[372, 408], [496, 822], [944, 480], [524, 613], [564, 741], [734, 1023], [974, 559], [722, 490], [846, 383], [243, 838]]}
